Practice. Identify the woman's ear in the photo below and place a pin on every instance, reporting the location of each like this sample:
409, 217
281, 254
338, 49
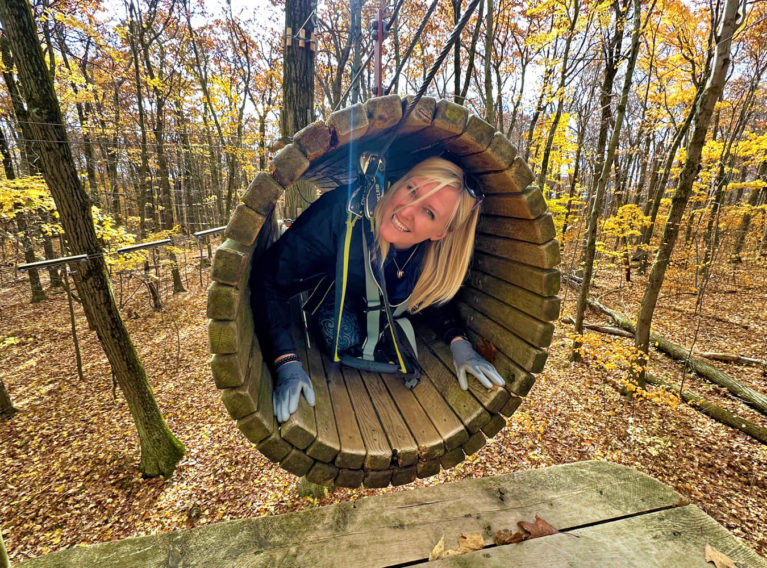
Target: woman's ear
439, 236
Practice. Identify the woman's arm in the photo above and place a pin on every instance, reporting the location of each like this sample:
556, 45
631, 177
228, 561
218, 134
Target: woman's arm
293, 264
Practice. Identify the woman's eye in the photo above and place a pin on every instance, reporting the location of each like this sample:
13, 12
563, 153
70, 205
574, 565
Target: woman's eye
430, 213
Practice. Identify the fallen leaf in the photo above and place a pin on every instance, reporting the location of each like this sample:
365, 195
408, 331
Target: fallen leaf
438, 551
719, 559
508, 536
466, 543
538, 528
486, 349
470, 543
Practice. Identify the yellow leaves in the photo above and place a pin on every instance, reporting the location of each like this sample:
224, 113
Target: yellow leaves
24, 195
9, 341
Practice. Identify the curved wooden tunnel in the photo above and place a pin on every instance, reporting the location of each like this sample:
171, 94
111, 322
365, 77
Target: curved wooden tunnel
366, 427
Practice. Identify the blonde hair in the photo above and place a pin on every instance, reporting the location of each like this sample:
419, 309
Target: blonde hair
445, 261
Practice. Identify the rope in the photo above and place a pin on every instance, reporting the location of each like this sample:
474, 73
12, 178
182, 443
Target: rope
410, 47
455, 36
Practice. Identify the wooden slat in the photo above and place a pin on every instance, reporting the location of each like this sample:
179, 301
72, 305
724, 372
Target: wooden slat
544, 308
352, 451
511, 406
297, 462
403, 475
537, 231
525, 355
375, 479
541, 256
301, 428
515, 179
495, 425
427, 469
441, 415
532, 330
420, 117
517, 379
453, 457
383, 113
349, 478
326, 445
497, 157
462, 402
529, 204
544, 282
474, 139
397, 432
322, 473
429, 442
259, 424
378, 452
475, 443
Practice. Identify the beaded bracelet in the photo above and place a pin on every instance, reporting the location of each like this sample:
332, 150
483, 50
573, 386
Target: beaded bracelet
285, 360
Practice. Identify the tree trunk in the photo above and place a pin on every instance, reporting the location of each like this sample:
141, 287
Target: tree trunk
6, 405
591, 233
36, 287
489, 106
660, 189
745, 222
160, 450
298, 87
711, 93
542, 181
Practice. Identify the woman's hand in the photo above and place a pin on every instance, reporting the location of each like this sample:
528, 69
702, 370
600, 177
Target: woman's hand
291, 381
466, 359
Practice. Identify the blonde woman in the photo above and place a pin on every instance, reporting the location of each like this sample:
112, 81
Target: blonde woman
367, 263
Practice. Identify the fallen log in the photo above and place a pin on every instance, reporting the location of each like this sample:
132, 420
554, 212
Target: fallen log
601, 328
732, 358
714, 411
748, 395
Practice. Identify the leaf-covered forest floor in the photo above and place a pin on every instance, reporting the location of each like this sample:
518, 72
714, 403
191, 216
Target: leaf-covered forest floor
68, 459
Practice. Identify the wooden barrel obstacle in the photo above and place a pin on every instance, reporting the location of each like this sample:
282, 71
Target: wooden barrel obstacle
368, 427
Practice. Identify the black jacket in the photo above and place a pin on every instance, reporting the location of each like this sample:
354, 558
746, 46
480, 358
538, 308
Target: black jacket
304, 259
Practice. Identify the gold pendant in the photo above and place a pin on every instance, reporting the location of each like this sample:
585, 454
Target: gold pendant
400, 273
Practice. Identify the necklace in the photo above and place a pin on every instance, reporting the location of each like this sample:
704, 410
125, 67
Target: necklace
401, 269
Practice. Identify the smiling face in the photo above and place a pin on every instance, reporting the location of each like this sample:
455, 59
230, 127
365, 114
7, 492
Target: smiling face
412, 216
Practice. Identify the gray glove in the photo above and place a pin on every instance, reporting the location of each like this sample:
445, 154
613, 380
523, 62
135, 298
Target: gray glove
291, 380
466, 359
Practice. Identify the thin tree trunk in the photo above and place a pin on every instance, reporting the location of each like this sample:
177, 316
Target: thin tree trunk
591, 236
542, 181
745, 222
711, 93
489, 106
160, 450
648, 230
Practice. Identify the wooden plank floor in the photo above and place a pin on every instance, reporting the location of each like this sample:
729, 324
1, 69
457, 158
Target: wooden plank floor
368, 428
608, 515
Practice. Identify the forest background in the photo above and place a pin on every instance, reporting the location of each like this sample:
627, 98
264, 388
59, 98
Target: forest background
172, 106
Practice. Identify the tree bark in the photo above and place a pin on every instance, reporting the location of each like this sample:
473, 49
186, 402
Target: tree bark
711, 94
298, 87
160, 450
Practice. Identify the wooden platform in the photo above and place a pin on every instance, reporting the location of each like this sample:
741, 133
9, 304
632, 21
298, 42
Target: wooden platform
607, 515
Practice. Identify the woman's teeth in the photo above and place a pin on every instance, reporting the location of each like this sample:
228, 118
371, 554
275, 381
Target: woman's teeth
399, 225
